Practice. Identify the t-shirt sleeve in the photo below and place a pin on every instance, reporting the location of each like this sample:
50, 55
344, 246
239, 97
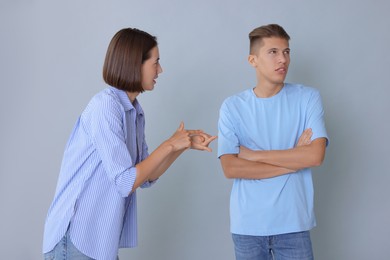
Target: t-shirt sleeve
315, 117
228, 142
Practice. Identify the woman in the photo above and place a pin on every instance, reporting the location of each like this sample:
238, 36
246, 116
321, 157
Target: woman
106, 158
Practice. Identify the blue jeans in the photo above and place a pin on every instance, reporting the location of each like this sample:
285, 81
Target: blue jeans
65, 250
292, 246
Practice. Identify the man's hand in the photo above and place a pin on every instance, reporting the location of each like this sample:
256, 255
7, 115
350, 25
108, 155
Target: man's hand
305, 137
250, 155
247, 154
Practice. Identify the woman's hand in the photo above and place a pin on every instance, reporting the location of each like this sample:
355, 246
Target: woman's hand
181, 139
195, 139
200, 141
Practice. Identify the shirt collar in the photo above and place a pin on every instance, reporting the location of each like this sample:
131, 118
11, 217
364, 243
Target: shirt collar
125, 101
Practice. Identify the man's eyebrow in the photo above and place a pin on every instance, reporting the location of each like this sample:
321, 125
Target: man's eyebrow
275, 49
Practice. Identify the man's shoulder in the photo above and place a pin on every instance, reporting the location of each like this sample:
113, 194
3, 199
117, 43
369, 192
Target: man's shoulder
240, 96
300, 89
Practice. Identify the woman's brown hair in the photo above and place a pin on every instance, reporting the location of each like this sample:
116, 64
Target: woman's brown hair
128, 49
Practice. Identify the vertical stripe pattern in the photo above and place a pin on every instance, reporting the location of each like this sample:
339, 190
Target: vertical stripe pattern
96, 178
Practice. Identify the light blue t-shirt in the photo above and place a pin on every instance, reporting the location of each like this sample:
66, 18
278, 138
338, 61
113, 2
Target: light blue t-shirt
281, 204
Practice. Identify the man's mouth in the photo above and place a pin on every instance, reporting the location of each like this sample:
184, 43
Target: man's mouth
281, 69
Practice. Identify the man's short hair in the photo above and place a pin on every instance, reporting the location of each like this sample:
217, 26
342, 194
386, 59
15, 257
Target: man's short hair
266, 31
127, 51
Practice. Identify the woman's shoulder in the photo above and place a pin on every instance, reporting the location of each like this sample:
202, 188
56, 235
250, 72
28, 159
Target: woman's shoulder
104, 101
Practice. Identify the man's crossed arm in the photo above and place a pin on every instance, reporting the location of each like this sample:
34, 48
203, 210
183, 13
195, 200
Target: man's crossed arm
250, 164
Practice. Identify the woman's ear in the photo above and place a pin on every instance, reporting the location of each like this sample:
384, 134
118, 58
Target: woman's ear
252, 59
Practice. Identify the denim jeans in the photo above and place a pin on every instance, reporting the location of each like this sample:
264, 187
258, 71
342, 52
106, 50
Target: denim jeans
292, 246
65, 250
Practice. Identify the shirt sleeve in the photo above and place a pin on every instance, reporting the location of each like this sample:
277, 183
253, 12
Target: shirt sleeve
104, 121
145, 154
315, 117
148, 184
228, 142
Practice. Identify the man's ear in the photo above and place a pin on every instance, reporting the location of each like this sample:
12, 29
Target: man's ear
252, 59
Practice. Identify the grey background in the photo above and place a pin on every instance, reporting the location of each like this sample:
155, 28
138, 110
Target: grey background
51, 56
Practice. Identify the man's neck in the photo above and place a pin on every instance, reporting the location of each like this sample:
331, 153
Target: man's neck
266, 91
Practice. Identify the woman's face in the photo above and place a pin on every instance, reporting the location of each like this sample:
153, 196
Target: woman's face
150, 70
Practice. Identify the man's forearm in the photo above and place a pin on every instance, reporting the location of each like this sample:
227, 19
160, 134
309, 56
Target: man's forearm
296, 158
238, 168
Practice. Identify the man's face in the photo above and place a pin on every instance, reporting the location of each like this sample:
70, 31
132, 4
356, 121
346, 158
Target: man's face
271, 61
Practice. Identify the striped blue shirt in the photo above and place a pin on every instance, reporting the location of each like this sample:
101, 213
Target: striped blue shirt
97, 174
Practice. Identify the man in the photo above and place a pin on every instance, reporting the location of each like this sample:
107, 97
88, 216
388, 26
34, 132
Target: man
269, 137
